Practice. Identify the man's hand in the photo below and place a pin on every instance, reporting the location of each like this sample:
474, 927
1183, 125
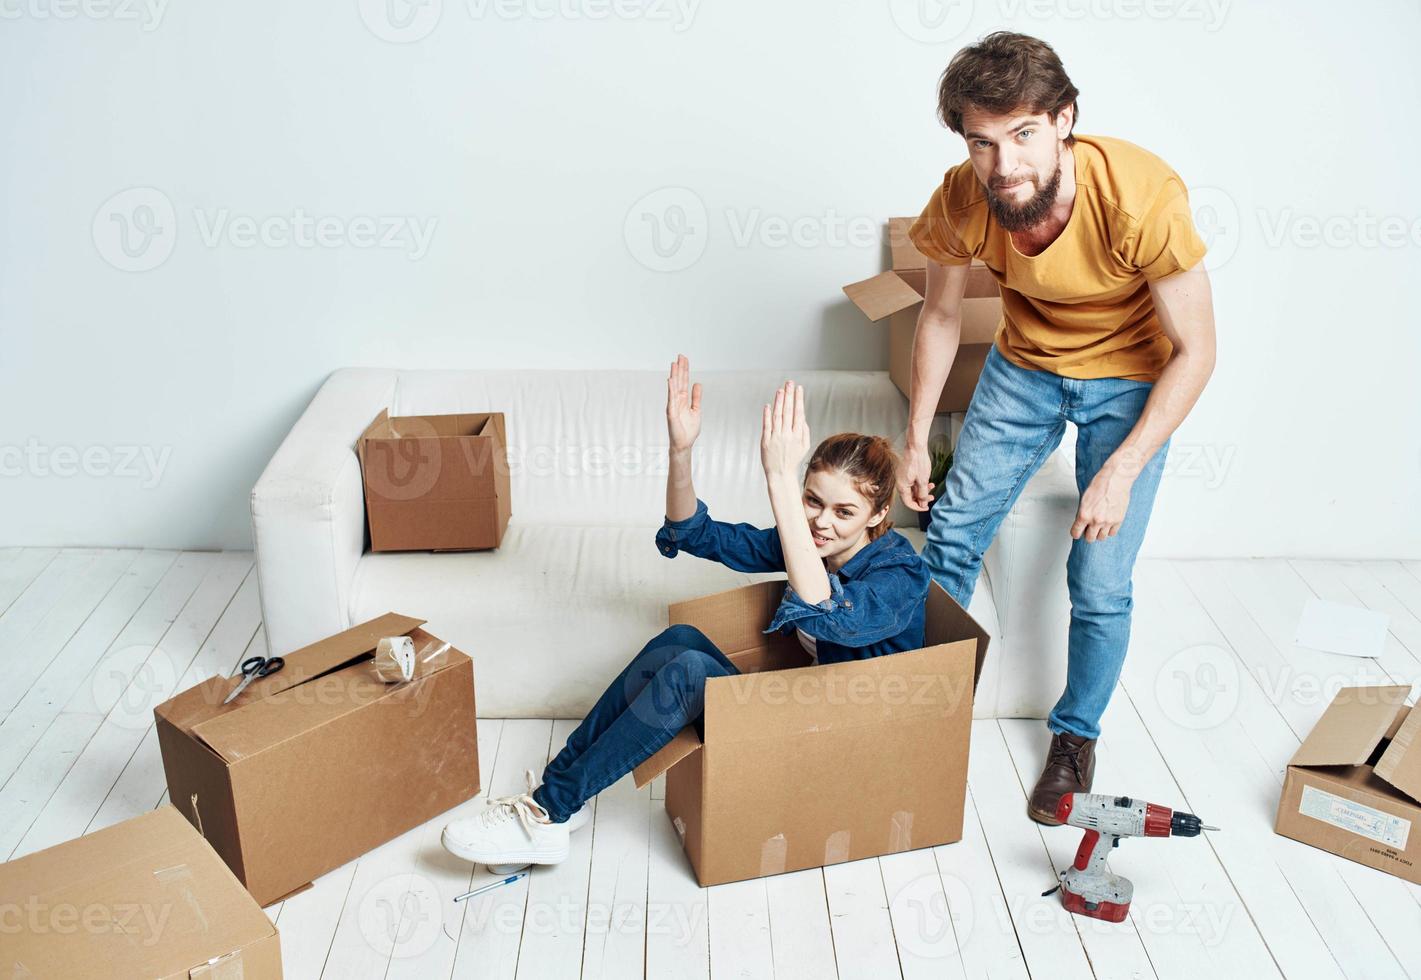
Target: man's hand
1103, 505
913, 485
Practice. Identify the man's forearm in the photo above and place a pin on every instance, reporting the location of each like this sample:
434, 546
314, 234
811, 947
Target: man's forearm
934, 349
680, 493
1173, 396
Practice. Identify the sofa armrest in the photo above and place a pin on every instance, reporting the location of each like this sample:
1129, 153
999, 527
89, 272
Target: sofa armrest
308, 512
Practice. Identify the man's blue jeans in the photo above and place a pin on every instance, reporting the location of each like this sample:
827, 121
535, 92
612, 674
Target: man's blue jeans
1016, 418
660, 692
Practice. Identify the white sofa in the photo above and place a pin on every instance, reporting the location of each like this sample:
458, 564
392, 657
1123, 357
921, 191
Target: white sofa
578, 585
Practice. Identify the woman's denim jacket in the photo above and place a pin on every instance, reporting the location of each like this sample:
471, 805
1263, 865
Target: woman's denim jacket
877, 600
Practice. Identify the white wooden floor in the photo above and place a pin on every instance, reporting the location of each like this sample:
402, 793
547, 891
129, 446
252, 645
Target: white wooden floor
1214, 699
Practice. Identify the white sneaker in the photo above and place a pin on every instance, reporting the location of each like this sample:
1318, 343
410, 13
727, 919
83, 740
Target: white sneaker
511, 830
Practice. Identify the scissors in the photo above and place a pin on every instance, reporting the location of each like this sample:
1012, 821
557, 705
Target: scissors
252, 668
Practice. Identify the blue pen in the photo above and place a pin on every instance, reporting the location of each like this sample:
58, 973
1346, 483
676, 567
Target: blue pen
491, 885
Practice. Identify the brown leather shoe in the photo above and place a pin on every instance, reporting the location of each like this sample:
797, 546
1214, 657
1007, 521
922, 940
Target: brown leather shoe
1070, 767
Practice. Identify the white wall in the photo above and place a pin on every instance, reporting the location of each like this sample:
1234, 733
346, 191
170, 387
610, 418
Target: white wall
529, 133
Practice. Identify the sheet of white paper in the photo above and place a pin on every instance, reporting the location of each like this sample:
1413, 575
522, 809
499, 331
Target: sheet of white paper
1336, 627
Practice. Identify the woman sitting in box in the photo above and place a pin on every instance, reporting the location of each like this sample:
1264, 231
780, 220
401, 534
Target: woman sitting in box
856, 589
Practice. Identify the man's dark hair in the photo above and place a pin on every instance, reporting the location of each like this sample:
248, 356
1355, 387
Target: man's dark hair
1003, 72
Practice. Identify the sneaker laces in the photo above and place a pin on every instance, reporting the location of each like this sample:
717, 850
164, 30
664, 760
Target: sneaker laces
520, 805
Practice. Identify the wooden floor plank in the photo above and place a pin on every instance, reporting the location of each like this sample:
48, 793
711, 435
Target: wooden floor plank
73, 663
740, 930
555, 918
78, 798
491, 926
47, 764
1226, 745
20, 571
924, 930
677, 947
618, 917
1047, 932
981, 917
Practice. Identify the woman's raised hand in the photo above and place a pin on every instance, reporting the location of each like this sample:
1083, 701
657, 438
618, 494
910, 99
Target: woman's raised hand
683, 405
784, 434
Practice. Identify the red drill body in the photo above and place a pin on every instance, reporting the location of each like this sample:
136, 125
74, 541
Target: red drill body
1088, 887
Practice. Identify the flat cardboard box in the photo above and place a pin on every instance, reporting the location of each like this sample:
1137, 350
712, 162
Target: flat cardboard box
797, 765
1353, 786
321, 761
144, 898
436, 482
898, 295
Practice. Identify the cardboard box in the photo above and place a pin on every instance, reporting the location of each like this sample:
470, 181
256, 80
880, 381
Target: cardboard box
1353, 786
796, 765
898, 295
321, 761
144, 898
436, 482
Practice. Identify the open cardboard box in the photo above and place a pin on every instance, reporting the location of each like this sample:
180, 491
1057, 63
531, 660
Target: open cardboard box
798, 765
436, 482
898, 295
1353, 786
321, 761
144, 898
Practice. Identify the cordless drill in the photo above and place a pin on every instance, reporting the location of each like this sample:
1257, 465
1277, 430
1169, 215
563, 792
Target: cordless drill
1088, 887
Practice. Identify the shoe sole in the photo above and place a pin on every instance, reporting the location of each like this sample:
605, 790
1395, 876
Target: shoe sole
1049, 819
504, 857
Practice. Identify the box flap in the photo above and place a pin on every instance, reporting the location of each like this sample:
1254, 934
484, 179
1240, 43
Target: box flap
902, 252
149, 896
682, 744
377, 429
883, 295
1357, 719
187, 709
1400, 764
255, 726
326, 655
734, 619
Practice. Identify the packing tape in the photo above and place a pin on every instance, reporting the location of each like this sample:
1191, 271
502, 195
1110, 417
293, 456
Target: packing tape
197, 815
394, 659
680, 826
18, 971
836, 848
228, 966
773, 854
900, 831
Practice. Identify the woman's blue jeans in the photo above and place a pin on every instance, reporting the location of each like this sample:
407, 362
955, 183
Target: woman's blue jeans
660, 692
1016, 418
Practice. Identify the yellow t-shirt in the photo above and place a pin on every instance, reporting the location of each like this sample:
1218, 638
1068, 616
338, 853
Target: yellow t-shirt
1081, 308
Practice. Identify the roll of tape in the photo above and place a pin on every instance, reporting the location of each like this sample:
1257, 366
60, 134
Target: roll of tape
394, 659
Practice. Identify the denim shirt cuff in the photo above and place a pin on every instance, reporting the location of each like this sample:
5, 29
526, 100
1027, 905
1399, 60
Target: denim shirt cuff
794, 607
672, 532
